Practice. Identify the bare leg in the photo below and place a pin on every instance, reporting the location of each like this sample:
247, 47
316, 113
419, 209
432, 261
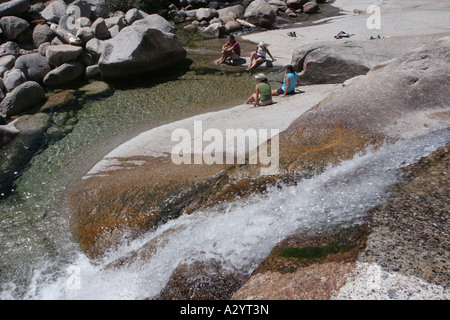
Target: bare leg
252, 57
225, 55
255, 64
251, 99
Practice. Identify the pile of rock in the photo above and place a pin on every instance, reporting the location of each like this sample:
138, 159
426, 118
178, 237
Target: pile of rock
50, 44
46, 45
214, 17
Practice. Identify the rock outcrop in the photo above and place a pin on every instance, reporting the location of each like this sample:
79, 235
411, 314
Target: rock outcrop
331, 62
405, 95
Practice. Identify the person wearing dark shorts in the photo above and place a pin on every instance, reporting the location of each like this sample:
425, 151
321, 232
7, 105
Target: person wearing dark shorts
291, 80
259, 56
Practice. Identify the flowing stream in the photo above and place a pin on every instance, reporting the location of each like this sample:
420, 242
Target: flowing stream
40, 260
34, 220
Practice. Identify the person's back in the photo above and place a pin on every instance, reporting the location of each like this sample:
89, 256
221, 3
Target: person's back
265, 91
293, 76
261, 51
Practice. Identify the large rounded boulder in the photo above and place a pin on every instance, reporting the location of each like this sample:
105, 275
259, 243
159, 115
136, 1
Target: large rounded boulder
260, 13
22, 98
149, 47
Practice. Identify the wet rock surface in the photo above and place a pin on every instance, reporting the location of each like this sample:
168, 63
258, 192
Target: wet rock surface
306, 266
202, 281
102, 219
411, 232
406, 236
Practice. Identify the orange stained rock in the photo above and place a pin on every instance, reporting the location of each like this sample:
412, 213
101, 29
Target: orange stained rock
130, 201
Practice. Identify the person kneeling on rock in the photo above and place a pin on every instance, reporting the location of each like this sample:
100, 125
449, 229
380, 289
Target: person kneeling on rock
263, 94
231, 49
291, 80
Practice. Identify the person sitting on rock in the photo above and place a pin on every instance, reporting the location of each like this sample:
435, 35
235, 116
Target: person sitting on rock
263, 94
291, 80
259, 56
230, 50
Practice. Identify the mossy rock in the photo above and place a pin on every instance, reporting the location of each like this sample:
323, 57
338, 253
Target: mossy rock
59, 100
308, 248
96, 89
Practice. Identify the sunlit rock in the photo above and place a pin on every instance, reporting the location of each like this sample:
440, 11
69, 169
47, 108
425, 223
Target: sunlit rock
150, 47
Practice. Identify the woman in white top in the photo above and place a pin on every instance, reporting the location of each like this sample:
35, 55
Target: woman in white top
259, 56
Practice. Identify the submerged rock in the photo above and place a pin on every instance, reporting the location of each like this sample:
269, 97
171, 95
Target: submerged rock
7, 133
59, 100
96, 89
16, 155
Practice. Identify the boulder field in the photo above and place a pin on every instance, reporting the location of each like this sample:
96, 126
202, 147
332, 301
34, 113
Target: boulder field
48, 46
